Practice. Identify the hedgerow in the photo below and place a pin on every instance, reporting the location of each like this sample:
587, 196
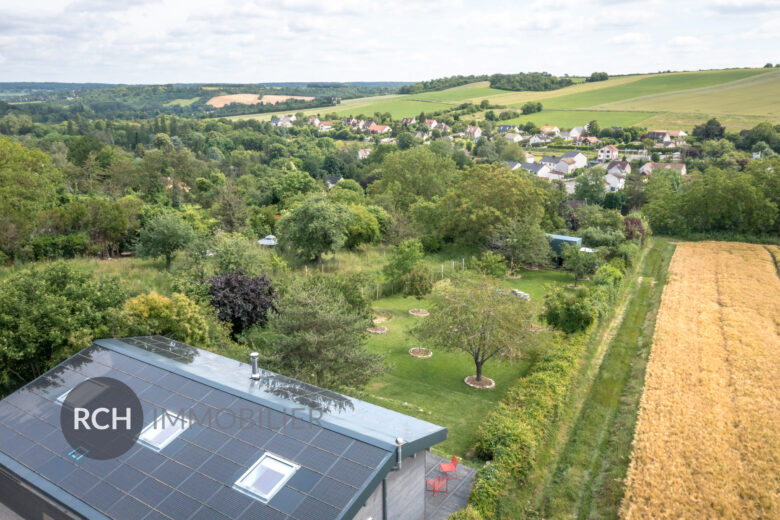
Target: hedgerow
513, 432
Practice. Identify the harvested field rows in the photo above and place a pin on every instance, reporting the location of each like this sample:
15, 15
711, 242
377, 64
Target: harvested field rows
707, 443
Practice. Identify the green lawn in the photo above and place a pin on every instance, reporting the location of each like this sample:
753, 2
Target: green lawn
433, 389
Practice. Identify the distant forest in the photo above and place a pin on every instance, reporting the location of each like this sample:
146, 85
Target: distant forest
58, 102
520, 81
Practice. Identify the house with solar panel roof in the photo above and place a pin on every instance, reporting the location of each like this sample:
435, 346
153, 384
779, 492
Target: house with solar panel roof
296, 452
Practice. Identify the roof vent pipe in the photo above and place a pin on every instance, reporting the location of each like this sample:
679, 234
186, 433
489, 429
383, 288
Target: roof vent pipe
398, 456
255, 370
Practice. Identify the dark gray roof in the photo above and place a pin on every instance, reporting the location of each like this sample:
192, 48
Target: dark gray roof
570, 155
343, 456
550, 159
532, 167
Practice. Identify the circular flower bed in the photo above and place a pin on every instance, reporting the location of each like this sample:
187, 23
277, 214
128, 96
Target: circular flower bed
377, 330
420, 352
420, 313
380, 319
484, 384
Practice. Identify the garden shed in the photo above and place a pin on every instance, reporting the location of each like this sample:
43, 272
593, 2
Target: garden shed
558, 241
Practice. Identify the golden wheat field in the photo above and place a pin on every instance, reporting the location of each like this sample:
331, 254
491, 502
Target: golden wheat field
707, 441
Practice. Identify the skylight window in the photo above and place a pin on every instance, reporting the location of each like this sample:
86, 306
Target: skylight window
266, 477
163, 429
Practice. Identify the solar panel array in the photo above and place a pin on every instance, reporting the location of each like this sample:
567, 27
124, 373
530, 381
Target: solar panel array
193, 476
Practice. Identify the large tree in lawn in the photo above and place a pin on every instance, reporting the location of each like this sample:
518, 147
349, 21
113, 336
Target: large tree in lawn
313, 228
482, 320
163, 235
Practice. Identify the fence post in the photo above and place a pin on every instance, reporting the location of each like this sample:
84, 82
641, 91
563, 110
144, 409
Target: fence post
377, 291
463, 264
442, 271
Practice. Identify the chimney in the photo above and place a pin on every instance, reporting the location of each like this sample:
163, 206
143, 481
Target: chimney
255, 370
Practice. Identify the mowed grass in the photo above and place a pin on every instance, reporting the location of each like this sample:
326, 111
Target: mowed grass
655, 84
182, 102
433, 389
755, 95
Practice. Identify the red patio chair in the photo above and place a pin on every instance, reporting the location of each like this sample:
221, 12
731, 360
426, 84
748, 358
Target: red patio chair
449, 467
437, 485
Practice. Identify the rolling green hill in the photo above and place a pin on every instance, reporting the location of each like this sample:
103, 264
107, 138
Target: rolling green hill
740, 98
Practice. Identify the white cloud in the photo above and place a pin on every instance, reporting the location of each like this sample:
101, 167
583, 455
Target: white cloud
632, 37
162, 41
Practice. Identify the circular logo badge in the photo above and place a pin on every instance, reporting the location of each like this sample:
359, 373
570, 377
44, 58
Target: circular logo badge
101, 418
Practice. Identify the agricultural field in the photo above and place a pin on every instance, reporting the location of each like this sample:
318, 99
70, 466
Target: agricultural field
182, 102
740, 98
706, 443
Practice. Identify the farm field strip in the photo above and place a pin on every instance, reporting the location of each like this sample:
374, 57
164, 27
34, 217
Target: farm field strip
755, 95
706, 443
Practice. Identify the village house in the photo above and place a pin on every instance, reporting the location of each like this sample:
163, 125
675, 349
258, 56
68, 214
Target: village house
504, 129
421, 135
587, 140
667, 137
314, 121
378, 129
431, 124
513, 137
473, 131
283, 122
539, 170
608, 153
325, 126
650, 167
529, 157
615, 180
580, 161
363, 153
408, 121
540, 139
621, 167
550, 161
565, 166
549, 129
443, 128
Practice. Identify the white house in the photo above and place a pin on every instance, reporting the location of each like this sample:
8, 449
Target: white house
650, 167
513, 137
608, 153
473, 131
570, 185
363, 153
325, 126
580, 161
565, 166
539, 139
615, 181
550, 161
539, 170
550, 129
619, 167
529, 157
314, 120
379, 129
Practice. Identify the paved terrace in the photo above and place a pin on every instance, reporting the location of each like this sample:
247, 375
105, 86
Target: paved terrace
443, 505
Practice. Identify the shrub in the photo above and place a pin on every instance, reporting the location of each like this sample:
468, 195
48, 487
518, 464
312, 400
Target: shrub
491, 264
240, 300
569, 312
177, 317
466, 514
628, 252
403, 259
608, 275
595, 237
49, 312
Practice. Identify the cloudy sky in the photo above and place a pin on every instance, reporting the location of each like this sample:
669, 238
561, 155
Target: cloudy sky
250, 41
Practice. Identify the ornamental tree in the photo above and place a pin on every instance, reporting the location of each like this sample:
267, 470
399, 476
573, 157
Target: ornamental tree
241, 300
483, 321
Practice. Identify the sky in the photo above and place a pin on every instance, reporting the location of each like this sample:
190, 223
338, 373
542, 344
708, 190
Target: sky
245, 41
